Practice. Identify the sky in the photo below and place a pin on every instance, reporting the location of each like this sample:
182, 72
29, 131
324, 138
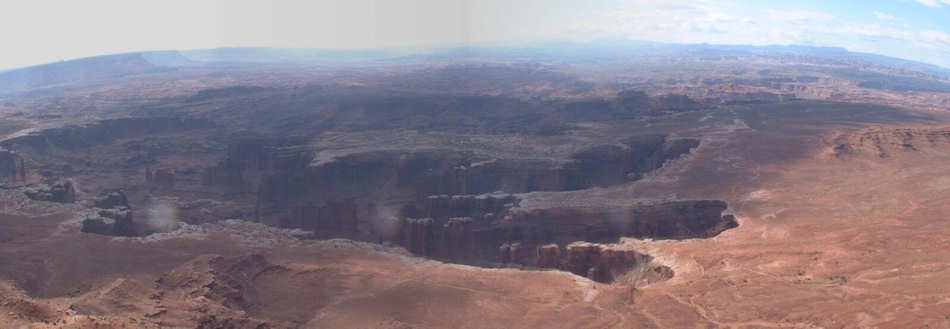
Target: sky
42, 31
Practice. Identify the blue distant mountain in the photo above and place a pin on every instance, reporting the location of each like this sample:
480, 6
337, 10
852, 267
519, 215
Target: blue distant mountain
603, 52
89, 69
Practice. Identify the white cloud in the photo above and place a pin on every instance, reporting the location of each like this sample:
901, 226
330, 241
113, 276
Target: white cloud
935, 39
721, 23
883, 16
716, 23
934, 3
90, 26
798, 15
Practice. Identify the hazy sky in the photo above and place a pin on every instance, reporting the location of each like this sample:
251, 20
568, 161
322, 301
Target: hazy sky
40, 31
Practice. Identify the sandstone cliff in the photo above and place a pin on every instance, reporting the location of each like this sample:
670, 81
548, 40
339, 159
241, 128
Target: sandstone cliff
884, 142
113, 217
12, 167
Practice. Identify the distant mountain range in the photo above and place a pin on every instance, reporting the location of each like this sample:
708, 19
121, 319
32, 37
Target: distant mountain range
130, 64
81, 70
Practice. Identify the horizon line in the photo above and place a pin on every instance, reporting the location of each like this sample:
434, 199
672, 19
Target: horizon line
435, 48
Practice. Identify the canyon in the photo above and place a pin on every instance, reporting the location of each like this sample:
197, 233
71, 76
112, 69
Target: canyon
777, 187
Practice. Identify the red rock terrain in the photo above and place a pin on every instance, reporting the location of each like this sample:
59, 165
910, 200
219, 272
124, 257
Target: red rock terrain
498, 193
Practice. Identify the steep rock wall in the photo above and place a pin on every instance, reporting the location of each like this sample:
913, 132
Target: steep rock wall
98, 133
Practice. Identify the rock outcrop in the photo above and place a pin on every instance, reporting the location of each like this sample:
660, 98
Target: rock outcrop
488, 206
163, 178
59, 191
11, 166
455, 239
248, 161
664, 220
549, 256
884, 142
114, 216
531, 238
512, 253
598, 262
111, 199
338, 218
679, 220
418, 236
452, 239
114, 222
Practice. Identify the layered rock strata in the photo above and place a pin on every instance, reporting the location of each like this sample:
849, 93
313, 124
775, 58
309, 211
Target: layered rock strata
113, 216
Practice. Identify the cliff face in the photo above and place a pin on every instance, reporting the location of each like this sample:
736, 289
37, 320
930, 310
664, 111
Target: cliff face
98, 133
691, 219
244, 164
667, 220
459, 207
286, 181
599, 263
541, 231
884, 142
332, 219
161, 178
113, 217
59, 191
481, 207
12, 167
485, 230
114, 221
